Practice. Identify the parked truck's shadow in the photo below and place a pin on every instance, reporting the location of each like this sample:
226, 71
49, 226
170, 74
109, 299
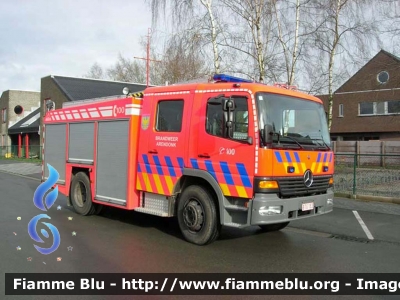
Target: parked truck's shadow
169, 226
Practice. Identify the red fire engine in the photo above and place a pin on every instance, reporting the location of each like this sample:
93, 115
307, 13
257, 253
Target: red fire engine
231, 152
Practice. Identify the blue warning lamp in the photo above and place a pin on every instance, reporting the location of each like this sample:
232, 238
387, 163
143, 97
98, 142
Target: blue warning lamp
228, 78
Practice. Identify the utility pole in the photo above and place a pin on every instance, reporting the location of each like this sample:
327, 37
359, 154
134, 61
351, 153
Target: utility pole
148, 59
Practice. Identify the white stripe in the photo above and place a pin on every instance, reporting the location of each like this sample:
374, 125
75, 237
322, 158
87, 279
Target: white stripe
106, 113
132, 111
363, 226
94, 114
133, 105
92, 109
106, 107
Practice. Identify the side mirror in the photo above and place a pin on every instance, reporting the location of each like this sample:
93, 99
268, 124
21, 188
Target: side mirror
268, 133
229, 105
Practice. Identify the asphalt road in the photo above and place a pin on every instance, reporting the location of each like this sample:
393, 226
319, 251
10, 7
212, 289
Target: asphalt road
120, 241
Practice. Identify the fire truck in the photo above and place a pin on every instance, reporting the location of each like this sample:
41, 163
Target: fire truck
229, 152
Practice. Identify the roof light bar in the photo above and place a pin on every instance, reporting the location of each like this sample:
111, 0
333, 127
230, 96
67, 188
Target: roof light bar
228, 78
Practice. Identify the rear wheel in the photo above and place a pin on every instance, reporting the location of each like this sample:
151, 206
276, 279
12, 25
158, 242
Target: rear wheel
273, 227
197, 216
81, 195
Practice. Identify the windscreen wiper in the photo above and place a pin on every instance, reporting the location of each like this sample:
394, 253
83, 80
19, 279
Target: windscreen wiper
323, 141
289, 137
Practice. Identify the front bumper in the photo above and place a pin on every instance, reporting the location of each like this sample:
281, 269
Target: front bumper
291, 207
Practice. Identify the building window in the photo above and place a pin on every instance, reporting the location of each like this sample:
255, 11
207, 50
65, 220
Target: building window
393, 107
366, 108
340, 110
169, 116
383, 77
378, 108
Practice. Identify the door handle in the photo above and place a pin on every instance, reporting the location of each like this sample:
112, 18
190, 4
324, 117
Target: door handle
204, 155
154, 151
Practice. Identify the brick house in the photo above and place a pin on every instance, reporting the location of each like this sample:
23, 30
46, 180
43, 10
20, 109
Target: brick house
367, 106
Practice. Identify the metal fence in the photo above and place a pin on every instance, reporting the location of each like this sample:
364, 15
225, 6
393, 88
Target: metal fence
33, 152
367, 174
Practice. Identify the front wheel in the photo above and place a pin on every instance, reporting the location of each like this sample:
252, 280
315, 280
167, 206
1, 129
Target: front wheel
273, 227
81, 195
198, 216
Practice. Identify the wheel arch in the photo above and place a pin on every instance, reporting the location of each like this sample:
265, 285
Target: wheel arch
74, 171
202, 178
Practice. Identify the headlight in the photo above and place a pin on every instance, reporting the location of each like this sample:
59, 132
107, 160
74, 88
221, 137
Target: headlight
270, 210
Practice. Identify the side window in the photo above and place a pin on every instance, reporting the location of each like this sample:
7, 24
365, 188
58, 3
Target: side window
241, 119
216, 119
169, 116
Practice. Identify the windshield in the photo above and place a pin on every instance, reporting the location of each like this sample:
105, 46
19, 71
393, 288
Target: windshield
295, 122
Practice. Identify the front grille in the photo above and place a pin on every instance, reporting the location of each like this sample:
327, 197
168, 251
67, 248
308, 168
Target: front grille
294, 186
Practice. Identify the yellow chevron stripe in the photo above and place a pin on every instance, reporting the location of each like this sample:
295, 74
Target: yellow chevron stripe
157, 180
241, 191
147, 182
303, 168
138, 185
285, 165
313, 167
296, 168
225, 190
170, 185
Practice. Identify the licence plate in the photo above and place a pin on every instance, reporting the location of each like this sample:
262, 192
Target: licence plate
307, 206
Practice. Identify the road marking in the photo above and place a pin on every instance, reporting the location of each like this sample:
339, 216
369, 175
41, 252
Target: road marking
363, 226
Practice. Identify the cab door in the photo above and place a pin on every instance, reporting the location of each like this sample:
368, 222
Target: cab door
227, 153
162, 157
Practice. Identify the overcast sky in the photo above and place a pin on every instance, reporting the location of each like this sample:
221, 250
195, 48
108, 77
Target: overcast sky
66, 37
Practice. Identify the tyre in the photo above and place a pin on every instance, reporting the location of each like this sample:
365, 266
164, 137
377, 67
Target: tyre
273, 227
198, 216
81, 195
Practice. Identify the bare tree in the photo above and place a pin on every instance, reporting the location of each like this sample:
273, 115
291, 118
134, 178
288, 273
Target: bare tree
344, 27
182, 11
95, 72
180, 60
289, 42
127, 70
257, 44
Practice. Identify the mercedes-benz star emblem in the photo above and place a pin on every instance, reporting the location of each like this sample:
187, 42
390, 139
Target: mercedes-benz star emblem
308, 178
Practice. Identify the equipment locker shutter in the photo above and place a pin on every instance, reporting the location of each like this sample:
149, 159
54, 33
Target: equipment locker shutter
81, 142
54, 150
112, 161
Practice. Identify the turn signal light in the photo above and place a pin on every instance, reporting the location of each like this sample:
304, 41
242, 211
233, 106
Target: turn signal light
331, 181
268, 184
